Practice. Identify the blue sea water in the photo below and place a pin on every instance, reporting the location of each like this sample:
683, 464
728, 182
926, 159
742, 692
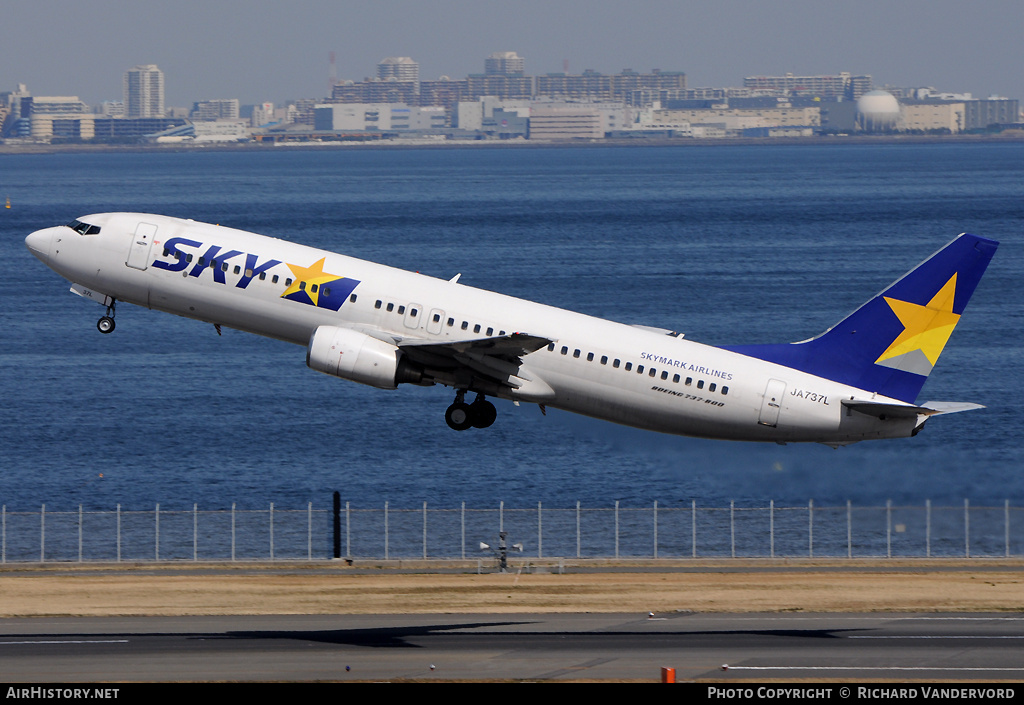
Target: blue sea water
727, 244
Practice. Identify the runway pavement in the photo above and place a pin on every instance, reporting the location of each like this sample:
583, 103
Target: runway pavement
523, 647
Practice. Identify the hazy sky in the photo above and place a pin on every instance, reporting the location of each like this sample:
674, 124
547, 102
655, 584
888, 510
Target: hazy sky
258, 50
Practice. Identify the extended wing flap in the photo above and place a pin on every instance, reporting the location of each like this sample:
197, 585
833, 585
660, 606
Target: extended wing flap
497, 358
510, 348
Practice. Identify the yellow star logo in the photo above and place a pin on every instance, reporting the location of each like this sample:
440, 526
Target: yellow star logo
309, 280
925, 328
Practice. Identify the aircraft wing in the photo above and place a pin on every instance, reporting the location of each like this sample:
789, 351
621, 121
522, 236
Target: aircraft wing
498, 358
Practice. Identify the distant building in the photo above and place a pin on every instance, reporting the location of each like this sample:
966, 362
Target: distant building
390, 91
209, 110
982, 114
382, 117
565, 123
504, 63
144, 92
591, 85
843, 85
931, 116
398, 68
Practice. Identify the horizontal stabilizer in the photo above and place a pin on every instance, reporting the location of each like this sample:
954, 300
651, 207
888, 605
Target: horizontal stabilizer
885, 410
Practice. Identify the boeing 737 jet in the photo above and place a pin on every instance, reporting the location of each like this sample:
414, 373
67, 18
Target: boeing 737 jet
383, 327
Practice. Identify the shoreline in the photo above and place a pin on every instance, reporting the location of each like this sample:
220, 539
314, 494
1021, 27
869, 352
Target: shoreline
78, 148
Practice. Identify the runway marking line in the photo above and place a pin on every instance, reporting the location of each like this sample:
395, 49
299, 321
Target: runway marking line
66, 641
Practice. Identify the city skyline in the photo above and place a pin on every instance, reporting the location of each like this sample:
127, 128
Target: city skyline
254, 52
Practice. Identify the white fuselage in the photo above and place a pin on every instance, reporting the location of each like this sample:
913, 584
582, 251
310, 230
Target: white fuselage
596, 367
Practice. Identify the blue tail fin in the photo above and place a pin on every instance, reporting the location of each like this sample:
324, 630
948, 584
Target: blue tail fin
891, 343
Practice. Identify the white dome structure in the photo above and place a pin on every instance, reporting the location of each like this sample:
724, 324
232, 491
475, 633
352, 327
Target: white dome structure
878, 111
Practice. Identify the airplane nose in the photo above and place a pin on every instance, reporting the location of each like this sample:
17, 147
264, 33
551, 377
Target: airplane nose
38, 243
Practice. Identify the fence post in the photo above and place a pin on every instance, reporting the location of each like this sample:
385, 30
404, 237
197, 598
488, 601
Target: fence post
462, 526
577, 528
888, 528
655, 528
732, 528
156, 523
501, 516
348, 530
967, 528
540, 532
771, 527
79, 533
309, 531
271, 531
1006, 523
810, 528
42, 534
387, 553
336, 523
195, 531
693, 525
616, 528
424, 531
3, 512
118, 532
849, 530
928, 528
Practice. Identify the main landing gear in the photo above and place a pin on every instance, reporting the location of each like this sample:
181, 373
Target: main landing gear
106, 324
460, 415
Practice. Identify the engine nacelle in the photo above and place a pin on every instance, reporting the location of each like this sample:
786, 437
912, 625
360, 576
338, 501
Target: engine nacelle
349, 354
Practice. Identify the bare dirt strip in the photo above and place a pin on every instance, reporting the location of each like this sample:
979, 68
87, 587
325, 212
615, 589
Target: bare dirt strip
978, 585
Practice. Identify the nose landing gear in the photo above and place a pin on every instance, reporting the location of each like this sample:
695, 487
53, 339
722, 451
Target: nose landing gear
106, 324
461, 416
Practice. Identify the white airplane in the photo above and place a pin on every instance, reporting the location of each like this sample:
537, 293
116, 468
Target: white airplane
383, 327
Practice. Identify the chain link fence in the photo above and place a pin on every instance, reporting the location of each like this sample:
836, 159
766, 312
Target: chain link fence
385, 533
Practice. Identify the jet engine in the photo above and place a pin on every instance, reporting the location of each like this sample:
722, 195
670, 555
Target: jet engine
352, 355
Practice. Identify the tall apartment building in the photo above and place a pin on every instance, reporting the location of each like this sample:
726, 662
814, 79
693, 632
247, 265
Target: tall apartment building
144, 92
398, 68
504, 63
843, 85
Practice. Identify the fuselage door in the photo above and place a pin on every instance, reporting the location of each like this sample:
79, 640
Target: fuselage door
413, 314
142, 241
772, 403
435, 322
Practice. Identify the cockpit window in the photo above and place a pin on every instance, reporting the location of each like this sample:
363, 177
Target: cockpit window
84, 228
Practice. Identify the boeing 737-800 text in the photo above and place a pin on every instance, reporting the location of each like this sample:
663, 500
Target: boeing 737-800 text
383, 327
